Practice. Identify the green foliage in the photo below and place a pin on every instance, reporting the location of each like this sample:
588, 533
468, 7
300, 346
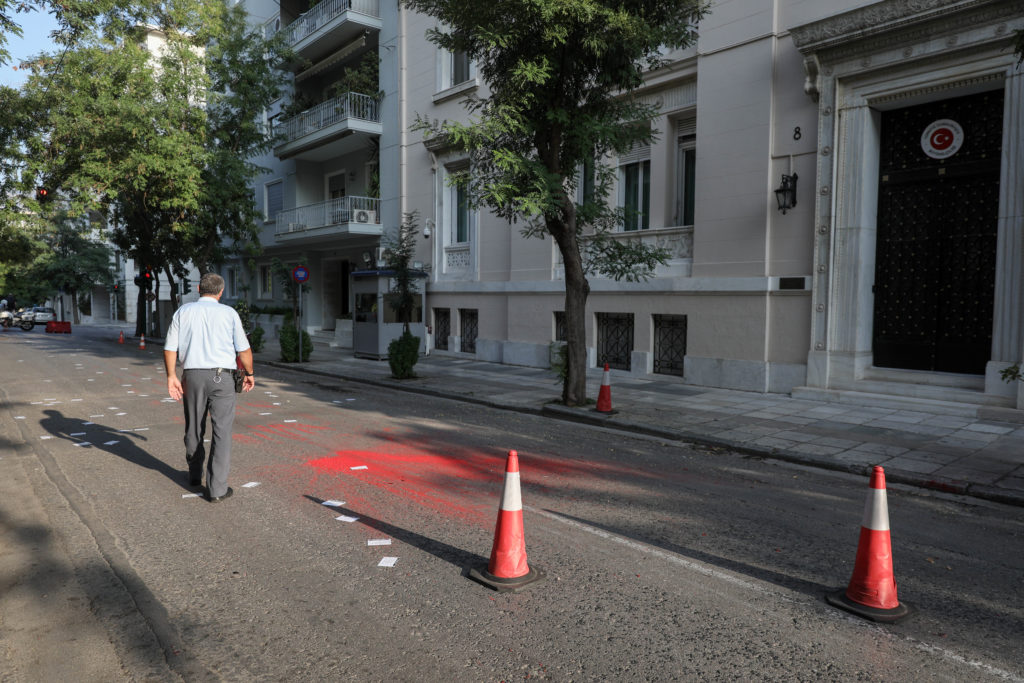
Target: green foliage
559, 362
157, 142
560, 76
1012, 373
252, 330
290, 287
403, 352
289, 338
256, 340
362, 77
398, 254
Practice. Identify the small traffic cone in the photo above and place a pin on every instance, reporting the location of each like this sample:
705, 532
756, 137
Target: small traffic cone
142, 341
604, 397
120, 339
872, 590
508, 570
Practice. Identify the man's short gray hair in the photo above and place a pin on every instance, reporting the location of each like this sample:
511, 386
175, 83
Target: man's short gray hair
210, 283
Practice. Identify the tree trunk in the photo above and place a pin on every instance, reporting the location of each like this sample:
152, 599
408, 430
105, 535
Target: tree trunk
574, 390
140, 317
156, 303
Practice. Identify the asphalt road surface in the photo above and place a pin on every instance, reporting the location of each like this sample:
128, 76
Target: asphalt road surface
663, 562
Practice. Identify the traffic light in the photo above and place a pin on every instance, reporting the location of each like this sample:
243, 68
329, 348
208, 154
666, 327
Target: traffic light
138, 281
147, 279
42, 194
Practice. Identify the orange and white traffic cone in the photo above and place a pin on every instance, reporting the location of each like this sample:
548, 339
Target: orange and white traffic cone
508, 570
120, 339
604, 396
142, 341
872, 590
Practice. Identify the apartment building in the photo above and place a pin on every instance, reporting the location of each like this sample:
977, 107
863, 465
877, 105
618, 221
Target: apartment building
838, 184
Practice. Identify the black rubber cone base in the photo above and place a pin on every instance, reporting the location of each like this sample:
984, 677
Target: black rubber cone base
501, 585
885, 616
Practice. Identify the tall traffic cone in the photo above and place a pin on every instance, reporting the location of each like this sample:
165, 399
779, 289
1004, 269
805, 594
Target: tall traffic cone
604, 396
872, 590
508, 570
120, 339
142, 341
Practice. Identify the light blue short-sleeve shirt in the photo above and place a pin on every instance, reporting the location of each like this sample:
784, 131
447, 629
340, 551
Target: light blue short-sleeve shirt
206, 334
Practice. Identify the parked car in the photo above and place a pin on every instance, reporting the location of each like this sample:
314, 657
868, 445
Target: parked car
43, 314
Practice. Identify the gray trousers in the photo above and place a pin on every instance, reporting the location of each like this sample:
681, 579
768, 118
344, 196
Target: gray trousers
205, 395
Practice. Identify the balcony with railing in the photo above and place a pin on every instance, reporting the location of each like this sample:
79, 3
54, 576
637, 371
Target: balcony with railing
327, 122
330, 24
336, 217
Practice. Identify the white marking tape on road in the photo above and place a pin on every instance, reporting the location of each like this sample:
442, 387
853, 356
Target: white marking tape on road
387, 562
932, 649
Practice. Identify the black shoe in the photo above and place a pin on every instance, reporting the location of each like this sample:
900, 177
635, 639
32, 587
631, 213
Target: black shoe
218, 499
195, 481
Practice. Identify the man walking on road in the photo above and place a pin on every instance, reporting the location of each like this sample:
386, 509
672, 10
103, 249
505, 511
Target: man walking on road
208, 336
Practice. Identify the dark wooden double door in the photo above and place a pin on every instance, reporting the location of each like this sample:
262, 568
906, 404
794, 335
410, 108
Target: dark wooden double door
936, 241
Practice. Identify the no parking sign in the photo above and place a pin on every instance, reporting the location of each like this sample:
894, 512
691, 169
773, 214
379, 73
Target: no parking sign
300, 273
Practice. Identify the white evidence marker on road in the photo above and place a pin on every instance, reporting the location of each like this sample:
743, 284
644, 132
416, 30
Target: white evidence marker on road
266, 413
113, 408
143, 395
83, 443
359, 467
291, 420
77, 434
141, 429
95, 416
190, 495
277, 404
333, 503
250, 485
99, 372
119, 414
346, 518
19, 417
110, 443
76, 399
35, 403
46, 437
126, 385
90, 380
378, 541
387, 562
88, 423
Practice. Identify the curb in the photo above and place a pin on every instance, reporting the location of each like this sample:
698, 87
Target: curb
610, 421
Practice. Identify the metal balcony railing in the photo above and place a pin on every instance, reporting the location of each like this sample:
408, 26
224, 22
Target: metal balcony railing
326, 10
349, 106
332, 212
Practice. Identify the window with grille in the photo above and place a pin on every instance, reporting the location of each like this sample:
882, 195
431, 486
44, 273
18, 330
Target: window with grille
669, 344
442, 328
560, 334
615, 340
468, 322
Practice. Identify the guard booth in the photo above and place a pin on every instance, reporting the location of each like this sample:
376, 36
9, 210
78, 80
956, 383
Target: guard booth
374, 322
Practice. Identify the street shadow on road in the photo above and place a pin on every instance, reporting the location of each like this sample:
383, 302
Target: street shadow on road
108, 440
457, 556
810, 588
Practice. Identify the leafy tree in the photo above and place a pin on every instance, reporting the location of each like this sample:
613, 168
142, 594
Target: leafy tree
404, 351
158, 140
560, 75
73, 262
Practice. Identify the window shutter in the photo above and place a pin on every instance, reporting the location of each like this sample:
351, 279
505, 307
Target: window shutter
638, 152
686, 126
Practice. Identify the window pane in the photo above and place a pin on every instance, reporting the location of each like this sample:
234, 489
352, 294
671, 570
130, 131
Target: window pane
689, 186
460, 68
645, 206
461, 215
631, 181
275, 200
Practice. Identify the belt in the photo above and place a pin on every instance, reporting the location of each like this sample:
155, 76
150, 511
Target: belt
217, 370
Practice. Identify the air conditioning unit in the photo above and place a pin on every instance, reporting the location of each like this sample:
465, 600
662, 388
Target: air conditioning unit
362, 216
296, 227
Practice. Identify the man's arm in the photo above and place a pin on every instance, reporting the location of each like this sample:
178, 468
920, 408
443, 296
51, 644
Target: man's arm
245, 358
174, 389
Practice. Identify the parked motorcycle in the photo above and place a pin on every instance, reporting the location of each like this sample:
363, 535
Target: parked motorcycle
8, 319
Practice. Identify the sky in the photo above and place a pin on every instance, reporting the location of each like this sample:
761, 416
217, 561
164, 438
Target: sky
36, 28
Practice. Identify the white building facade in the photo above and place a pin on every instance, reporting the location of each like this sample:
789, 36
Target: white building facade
897, 273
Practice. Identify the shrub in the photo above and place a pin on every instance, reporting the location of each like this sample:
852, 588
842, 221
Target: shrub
403, 353
256, 340
289, 338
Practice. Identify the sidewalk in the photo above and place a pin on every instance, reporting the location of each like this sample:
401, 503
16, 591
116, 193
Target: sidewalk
948, 448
